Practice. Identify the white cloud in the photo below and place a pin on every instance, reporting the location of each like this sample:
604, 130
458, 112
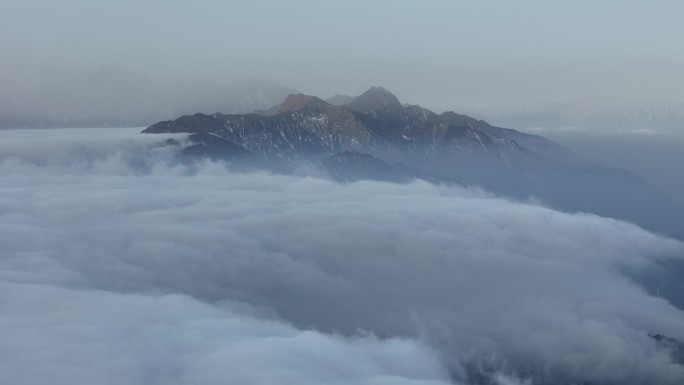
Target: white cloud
104, 261
63, 336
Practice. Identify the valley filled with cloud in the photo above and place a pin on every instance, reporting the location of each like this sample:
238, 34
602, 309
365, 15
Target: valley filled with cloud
122, 265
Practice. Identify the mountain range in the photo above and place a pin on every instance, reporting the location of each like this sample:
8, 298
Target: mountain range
375, 136
43, 96
603, 114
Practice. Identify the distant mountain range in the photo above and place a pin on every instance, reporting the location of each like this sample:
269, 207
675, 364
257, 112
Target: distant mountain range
374, 136
596, 114
41, 96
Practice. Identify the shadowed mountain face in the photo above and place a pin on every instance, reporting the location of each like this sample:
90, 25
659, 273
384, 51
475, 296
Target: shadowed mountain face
376, 137
353, 166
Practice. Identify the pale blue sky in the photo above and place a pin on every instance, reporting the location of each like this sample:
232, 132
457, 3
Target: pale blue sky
435, 52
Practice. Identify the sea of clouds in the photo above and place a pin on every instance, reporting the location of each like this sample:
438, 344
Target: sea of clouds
120, 265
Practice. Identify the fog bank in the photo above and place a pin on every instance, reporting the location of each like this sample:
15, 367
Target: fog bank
123, 266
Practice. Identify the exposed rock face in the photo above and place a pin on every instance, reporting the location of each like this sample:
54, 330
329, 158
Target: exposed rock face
375, 123
377, 101
300, 102
214, 147
416, 142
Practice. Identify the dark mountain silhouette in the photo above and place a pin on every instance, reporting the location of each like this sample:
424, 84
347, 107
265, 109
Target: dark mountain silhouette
377, 101
214, 147
376, 137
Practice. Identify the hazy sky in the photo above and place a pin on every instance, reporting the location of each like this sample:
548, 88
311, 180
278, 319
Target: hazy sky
438, 53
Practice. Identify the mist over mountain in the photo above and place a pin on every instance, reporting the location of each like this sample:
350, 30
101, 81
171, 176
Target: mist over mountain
340, 100
374, 241
270, 192
374, 131
655, 155
642, 136
122, 262
602, 115
42, 96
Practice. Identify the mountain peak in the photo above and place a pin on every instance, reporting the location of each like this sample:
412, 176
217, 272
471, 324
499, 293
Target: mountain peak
340, 100
375, 99
379, 90
297, 102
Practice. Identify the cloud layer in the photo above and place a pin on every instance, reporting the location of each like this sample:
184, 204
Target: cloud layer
120, 266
